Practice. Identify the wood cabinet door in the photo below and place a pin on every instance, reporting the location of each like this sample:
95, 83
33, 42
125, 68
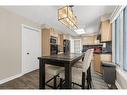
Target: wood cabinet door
106, 34
106, 57
45, 42
97, 63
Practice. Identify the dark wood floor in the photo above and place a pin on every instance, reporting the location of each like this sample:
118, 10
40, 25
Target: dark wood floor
27, 81
31, 81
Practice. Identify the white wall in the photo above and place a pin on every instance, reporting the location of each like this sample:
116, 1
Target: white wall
121, 81
10, 42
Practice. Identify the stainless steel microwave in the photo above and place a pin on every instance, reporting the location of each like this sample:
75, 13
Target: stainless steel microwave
53, 40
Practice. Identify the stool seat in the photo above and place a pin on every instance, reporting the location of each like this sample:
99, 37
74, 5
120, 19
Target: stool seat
78, 64
53, 70
76, 75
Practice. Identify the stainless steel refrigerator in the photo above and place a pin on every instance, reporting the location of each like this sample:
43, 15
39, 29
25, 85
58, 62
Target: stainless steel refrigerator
66, 45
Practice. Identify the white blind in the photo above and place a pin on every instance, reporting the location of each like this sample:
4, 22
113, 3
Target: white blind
125, 39
113, 42
117, 40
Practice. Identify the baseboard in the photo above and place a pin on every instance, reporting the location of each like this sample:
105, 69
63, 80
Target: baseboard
23, 73
10, 78
118, 86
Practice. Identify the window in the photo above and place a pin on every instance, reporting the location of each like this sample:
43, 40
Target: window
125, 39
121, 40
117, 39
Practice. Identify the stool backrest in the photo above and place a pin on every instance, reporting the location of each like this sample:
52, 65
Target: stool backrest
87, 59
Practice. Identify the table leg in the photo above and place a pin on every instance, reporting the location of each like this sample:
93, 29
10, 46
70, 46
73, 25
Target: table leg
41, 74
68, 76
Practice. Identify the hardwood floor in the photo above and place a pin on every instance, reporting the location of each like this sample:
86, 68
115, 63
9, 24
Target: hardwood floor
27, 81
31, 81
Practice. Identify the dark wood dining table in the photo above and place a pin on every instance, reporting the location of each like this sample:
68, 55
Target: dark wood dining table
63, 60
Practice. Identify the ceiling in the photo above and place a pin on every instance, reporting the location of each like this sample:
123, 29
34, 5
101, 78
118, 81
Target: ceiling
88, 16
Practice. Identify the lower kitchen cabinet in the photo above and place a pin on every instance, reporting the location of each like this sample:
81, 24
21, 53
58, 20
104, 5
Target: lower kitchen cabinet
98, 58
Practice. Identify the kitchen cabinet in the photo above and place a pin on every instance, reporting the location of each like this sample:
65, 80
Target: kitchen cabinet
106, 57
106, 33
98, 58
47, 33
61, 42
97, 62
88, 40
66, 36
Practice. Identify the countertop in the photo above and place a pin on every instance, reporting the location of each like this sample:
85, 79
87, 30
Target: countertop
103, 53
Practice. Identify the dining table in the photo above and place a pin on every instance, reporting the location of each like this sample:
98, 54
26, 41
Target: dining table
66, 60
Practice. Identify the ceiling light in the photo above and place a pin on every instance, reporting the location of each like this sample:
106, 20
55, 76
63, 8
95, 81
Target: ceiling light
67, 17
80, 31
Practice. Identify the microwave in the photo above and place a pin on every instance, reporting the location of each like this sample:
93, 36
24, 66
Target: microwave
53, 40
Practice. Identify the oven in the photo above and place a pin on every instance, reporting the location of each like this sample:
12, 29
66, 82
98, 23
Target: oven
53, 40
53, 49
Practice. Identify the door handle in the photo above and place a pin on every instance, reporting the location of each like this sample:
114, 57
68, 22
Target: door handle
28, 53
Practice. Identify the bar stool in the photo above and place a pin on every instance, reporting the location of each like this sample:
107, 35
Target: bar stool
54, 71
79, 75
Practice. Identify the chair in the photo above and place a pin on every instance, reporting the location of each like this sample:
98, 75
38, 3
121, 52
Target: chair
79, 63
79, 75
54, 71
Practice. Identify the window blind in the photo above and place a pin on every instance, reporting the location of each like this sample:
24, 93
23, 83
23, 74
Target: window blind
125, 38
117, 41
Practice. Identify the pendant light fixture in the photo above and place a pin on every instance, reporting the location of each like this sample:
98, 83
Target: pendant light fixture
67, 17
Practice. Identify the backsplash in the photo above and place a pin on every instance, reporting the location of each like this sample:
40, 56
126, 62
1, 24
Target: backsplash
103, 49
86, 47
108, 48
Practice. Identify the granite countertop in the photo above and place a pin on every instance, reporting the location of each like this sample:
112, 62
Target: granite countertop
103, 53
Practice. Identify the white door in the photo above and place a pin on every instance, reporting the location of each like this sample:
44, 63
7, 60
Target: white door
31, 49
77, 46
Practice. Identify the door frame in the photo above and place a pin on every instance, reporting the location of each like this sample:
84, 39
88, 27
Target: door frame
22, 29
80, 44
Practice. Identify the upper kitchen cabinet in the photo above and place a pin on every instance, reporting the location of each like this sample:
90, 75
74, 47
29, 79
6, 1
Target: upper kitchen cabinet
106, 32
66, 36
51, 38
88, 40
